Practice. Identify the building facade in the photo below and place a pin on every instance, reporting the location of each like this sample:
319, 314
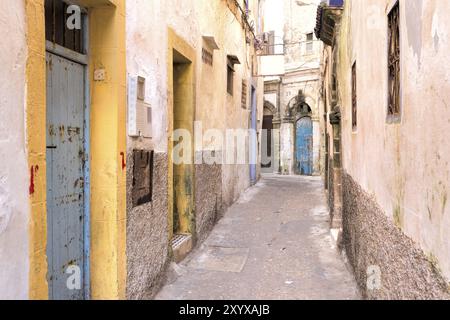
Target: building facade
384, 96
198, 61
98, 96
292, 97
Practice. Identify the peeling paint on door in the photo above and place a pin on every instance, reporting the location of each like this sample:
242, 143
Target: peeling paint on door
65, 174
304, 146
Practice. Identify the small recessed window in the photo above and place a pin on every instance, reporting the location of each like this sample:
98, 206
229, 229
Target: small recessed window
244, 94
230, 82
207, 57
309, 42
231, 61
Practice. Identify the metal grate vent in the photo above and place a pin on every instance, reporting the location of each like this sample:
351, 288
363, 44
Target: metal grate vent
64, 25
178, 239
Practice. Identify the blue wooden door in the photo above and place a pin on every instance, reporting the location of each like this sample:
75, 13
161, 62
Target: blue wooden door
304, 146
65, 178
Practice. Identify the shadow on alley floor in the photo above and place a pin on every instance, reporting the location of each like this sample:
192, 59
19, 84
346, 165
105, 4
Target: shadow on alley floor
274, 243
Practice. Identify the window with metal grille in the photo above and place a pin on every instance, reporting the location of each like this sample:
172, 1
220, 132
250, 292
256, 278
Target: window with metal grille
244, 94
354, 99
207, 57
394, 61
57, 16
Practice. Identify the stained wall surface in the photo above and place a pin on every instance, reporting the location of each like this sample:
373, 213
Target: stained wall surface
403, 166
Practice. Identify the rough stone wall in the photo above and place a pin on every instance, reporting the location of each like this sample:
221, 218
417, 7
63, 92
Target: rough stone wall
370, 239
208, 198
330, 185
147, 239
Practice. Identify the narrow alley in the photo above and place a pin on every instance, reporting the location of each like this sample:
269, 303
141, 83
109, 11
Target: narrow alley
274, 243
158, 150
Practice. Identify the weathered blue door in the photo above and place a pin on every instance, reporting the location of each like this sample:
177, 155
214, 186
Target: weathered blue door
65, 177
304, 146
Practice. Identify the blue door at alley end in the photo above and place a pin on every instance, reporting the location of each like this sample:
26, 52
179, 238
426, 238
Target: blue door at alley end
304, 146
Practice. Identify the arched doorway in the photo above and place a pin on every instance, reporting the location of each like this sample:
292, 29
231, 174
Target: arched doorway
304, 146
268, 139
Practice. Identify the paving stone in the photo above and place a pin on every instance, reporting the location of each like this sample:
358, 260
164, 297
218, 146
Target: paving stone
275, 243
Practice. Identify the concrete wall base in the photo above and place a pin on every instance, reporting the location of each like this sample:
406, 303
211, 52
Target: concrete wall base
208, 198
147, 238
371, 239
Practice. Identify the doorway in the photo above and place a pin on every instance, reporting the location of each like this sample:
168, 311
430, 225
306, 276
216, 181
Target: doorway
66, 156
183, 171
304, 146
267, 144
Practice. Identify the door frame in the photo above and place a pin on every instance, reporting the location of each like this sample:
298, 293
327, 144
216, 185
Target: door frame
270, 142
82, 59
186, 109
108, 263
311, 155
178, 44
253, 136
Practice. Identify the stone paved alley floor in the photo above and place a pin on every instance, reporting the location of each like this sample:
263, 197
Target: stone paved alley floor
274, 243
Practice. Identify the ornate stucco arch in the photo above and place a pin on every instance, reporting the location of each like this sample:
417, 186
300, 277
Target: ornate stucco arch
269, 106
300, 106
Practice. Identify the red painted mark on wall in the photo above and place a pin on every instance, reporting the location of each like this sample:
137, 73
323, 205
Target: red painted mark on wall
124, 164
33, 173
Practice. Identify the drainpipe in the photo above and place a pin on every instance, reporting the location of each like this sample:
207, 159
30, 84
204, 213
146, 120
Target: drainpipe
336, 214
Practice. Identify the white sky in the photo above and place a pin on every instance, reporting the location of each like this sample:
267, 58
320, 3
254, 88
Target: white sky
274, 16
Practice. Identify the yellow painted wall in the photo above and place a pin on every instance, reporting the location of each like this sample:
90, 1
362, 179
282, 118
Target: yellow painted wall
36, 146
108, 140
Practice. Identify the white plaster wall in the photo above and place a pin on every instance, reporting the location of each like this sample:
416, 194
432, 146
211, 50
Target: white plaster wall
406, 166
287, 148
144, 27
300, 20
14, 202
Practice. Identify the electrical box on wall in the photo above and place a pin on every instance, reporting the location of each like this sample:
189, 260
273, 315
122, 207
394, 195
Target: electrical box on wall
139, 112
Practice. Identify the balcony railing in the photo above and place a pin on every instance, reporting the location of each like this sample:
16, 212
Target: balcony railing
334, 3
